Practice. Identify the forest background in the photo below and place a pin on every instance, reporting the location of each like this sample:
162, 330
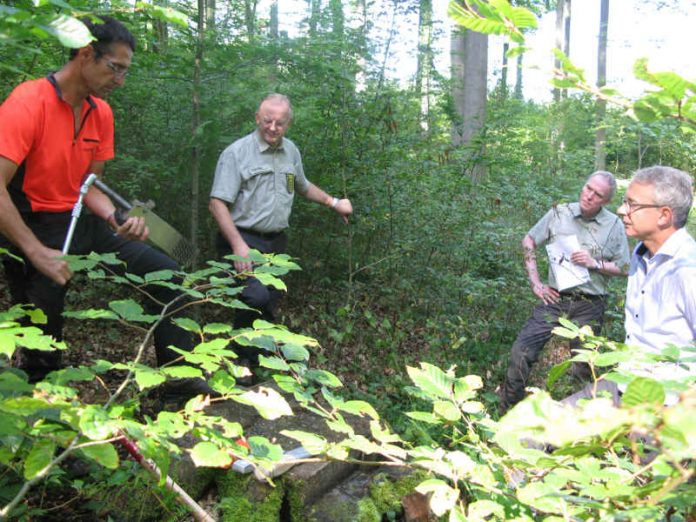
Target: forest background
446, 174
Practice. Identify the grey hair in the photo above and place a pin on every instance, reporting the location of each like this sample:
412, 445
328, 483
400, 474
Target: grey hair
672, 188
609, 178
276, 97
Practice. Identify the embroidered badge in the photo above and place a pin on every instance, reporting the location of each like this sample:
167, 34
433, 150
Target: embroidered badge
290, 179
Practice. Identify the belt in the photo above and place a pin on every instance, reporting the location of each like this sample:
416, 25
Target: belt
265, 235
581, 295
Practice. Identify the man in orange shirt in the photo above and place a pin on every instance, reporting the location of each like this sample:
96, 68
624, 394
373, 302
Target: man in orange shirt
55, 131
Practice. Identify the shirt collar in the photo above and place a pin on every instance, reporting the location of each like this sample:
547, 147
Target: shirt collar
263, 146
599, 217
669, 248
52, 80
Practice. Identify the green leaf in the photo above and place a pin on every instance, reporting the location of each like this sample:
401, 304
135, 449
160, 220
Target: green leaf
443, 496
69, 31
166, 14
313, 443
643, 390
324, 377
557, 372
187, 324
359, 408
268, 402
447, 411
181, 371
95, 423
208, 454
295, 352
147, 377
262, 448
273, 363
129, 310
104, 454
40, 455
424, 417
90, 314
217, 328
431, 380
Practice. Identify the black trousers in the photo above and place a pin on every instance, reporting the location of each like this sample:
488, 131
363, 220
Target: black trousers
582, 310
263, 299
28, 285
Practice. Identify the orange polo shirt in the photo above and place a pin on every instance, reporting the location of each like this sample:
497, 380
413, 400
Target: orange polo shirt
37, 132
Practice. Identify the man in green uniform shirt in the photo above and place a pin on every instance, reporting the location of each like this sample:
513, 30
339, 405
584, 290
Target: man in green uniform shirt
255, 183
602, 249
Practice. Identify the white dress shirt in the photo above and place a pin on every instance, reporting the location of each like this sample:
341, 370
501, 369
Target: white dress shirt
661, 304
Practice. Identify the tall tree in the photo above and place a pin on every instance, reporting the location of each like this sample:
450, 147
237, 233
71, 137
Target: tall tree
425, 60
314, 15
562, 38
273, 29
601, 134
469, 53
250, 19
195, 122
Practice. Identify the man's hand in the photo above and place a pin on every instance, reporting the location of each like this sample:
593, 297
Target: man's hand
546, 293
133, 229
47, 261
583, 258
242, 250
344, 208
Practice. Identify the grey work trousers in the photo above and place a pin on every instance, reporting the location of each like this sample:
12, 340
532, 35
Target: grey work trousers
578, 308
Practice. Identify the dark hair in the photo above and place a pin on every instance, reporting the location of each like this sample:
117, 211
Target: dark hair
107, 31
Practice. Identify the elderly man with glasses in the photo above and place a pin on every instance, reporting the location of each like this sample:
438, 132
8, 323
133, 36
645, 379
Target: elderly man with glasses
592, 246
54, 132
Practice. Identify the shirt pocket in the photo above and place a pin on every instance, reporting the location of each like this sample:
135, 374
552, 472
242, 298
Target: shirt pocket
89, 147
255, 177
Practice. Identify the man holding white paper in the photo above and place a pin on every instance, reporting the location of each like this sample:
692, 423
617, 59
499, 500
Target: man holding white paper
586, 244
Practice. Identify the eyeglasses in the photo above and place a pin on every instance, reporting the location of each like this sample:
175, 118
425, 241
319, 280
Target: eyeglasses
119, 70
632, 207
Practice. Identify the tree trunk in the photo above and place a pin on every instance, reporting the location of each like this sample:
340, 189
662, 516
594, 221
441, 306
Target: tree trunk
504, 72
314, 13
469, 52
195, 122
562, 38
250, 19
601, 135
337, 19
210, 14
519, 94
274, 21
425, 61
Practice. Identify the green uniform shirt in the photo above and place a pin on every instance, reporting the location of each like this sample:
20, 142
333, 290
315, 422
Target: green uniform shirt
603, 236
259, 182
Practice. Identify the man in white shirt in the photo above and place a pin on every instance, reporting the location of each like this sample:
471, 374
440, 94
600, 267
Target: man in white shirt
661, 292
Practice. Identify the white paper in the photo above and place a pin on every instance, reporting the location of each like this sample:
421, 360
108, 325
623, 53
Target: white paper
567, 273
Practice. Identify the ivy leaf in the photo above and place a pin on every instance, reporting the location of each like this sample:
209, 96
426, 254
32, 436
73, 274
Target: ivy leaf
40, 455
104, 454
208, 454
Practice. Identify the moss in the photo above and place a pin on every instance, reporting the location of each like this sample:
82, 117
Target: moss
243, 498
368, 512
386, 493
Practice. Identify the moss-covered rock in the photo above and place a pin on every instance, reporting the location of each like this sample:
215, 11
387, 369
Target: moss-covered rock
242, 497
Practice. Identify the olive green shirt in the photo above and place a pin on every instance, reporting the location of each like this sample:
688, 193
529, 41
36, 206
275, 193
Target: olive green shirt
602, 235
259, 182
